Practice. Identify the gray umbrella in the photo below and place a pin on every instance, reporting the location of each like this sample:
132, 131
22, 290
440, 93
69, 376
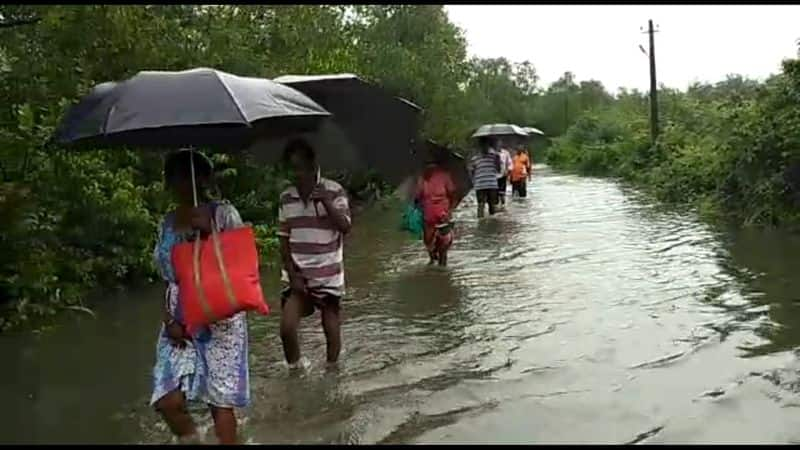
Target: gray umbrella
532, 131
499, 129
198, 107
381, 127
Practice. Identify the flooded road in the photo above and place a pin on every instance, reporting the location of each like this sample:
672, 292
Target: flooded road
584, 314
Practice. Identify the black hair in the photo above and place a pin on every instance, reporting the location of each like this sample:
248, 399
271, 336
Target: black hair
301, 147
486, 141
437, 156
178, 164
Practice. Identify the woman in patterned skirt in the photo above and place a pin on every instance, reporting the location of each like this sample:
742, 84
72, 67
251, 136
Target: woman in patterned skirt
210, 366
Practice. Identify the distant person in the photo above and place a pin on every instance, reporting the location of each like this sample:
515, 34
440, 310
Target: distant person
211, 365
519, 174
483, 168
436, 193
530, 161
506, 164
313, 218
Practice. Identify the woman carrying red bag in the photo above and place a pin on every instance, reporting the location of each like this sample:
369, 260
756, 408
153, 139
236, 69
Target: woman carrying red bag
209, 366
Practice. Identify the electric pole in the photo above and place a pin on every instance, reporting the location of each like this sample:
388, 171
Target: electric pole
653, 84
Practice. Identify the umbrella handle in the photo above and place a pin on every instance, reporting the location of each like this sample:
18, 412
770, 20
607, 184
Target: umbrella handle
194, 193
194, 182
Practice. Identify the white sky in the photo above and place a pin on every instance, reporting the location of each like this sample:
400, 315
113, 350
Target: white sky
695, 42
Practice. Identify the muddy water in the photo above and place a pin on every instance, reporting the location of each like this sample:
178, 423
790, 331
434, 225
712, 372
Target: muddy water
582, 314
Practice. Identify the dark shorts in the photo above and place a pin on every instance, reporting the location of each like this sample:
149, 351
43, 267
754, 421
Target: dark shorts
502, 184
488, 196
312, 302
520, 188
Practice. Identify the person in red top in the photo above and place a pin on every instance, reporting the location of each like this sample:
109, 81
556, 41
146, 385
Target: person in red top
436, 194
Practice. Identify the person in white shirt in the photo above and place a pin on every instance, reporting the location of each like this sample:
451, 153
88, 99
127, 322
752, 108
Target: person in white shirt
506, 165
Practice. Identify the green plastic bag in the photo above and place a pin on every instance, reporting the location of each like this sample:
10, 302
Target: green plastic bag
413, 221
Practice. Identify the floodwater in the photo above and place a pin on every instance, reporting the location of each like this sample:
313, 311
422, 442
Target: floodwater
584, 314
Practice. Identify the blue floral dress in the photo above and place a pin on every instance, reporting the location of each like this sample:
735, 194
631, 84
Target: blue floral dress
213, 367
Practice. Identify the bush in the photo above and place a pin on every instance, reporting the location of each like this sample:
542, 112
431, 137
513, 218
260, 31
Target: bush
733, 147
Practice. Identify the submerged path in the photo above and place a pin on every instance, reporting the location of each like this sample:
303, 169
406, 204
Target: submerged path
582, 314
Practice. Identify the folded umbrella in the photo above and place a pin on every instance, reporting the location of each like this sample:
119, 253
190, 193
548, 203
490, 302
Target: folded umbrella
379, 128
198, 107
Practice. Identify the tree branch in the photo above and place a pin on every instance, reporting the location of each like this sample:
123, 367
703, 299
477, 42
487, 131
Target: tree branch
19, 22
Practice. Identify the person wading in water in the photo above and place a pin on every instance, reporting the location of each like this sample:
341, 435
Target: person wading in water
506, 165
519, 174
313, 218
484, 167
211, 365
436, 194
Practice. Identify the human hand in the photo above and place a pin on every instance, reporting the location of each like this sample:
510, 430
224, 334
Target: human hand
296, 283
177, 334
321, 194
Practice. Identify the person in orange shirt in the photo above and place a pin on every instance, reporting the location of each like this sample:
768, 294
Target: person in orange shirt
520, 172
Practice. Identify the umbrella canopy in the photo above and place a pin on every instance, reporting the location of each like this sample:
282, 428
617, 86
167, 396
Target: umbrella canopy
533, 131
499, 129
335, 151
198, 107
382, 128
451, 160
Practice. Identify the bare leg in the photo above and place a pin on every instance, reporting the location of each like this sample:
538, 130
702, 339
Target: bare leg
290, 320
427, 237
443, 258
224, 425
331, 325
173, 409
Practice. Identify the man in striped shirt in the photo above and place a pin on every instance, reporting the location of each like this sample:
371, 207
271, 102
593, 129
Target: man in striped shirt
313, 218
484, 168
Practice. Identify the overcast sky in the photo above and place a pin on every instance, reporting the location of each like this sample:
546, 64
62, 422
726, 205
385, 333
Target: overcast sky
695, 42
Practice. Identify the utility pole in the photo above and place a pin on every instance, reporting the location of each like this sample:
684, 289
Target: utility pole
653, 85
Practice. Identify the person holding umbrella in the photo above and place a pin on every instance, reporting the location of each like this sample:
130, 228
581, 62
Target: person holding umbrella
208, 108
436, 192
210, 366
484, 167
313, 218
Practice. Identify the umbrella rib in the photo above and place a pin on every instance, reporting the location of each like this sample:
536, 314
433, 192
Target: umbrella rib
233, 99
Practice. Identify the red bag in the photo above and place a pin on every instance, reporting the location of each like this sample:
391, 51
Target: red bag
218, 277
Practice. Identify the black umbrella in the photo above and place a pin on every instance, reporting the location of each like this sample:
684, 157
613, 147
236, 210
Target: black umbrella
198, 107
382, 128
450, 159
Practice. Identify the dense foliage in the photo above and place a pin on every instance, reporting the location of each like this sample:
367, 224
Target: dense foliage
732, 148
75, 221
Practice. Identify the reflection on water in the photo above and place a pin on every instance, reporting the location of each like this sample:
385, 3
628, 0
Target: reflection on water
583, 314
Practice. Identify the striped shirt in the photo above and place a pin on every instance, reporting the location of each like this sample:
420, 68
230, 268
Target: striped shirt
314, 242
484, 170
